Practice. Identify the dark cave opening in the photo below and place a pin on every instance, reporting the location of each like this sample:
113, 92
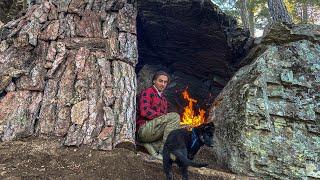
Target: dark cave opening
196, 43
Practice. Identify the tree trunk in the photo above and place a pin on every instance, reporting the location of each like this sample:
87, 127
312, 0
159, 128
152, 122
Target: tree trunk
67, 68
251, 23
278, 11
305, 12
244, 14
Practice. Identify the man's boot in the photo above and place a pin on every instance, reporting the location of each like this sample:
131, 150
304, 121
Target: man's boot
152, 151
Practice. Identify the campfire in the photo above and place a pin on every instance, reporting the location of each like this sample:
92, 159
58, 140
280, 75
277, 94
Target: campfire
189, 117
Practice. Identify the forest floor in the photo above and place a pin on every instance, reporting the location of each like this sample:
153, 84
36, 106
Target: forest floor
44, 158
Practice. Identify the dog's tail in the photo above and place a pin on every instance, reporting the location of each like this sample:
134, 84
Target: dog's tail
187, 161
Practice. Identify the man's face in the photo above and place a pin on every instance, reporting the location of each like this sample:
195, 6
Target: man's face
161, 82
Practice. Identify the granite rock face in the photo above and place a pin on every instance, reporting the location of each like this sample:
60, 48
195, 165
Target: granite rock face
67, 68
267, 117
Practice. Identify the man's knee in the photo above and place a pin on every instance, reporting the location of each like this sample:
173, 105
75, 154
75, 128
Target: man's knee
174, 116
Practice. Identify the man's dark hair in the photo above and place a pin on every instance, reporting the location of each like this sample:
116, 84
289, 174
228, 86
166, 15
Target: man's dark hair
159, 73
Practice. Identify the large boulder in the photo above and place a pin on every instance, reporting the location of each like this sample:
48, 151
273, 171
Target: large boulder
268, 116
67, 68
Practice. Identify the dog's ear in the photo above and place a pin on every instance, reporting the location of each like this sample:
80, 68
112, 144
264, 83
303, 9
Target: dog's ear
209, 126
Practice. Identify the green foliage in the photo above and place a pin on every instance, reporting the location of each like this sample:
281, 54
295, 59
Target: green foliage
228, 6
310, 7
302, 11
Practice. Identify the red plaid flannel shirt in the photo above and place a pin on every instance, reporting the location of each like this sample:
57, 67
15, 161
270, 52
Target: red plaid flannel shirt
151, 105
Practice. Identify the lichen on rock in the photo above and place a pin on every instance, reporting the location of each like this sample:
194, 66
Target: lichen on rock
267, 117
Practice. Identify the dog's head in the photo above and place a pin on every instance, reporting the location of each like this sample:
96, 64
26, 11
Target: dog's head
205, 133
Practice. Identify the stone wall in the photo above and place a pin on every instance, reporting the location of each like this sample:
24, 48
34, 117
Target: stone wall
67, 69
268, 116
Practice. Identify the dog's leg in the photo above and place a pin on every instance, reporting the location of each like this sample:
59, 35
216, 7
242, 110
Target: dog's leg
168, 170
183, 170
167, 166
182, 156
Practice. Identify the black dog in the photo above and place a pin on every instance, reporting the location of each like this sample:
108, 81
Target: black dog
181, 146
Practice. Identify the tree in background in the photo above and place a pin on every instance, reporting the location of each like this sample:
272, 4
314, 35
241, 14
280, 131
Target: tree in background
254, 9
304, 11
244, 13
252, 14
258, 14
278, 11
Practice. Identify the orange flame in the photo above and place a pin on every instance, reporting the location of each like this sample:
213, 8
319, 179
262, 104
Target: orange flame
189, 117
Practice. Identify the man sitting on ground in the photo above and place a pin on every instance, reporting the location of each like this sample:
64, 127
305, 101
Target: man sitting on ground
153, 122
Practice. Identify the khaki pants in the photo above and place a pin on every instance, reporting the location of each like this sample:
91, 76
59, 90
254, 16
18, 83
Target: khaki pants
157, 130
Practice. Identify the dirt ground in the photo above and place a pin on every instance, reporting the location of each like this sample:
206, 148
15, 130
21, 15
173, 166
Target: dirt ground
47, 159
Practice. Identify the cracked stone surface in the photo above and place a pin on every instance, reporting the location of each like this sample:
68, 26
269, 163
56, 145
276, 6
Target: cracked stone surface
267, 117
67, 70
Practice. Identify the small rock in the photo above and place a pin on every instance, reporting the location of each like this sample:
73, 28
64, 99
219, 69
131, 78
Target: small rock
3, 172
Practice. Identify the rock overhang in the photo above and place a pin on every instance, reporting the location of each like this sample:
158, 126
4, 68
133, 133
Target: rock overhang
194, 37
198, 44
